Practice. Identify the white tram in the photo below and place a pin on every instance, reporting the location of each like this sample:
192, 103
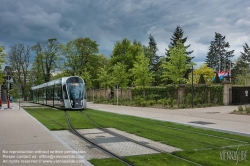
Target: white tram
63, 93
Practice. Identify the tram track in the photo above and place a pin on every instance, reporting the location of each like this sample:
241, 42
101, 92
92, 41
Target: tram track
94, 144
158, 132
211, 146
136, 142
73, 130
96, 125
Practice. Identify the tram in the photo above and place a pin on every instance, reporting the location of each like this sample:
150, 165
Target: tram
64, 93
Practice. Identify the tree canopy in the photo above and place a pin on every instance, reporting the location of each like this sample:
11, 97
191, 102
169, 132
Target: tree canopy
178, 37
175, 67
2, 57
46, 60
204, 70
218, 57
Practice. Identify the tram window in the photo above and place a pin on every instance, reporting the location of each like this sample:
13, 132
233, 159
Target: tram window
75, 90
65, 92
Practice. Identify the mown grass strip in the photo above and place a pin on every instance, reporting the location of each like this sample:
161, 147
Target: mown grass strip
184, 137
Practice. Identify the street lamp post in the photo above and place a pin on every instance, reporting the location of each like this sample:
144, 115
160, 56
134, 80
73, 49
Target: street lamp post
192, 86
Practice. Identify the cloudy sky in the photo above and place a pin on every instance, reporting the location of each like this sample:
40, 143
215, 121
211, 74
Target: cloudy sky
108, 21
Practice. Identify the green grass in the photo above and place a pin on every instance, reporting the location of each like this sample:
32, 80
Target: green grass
148, 160
200, 145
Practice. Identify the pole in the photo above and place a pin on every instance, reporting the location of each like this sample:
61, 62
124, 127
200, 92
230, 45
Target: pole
0, 96
8, 92
93, 95
117, 95
230, 70
192, 86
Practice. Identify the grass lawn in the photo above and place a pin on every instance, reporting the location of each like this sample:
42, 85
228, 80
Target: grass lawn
200, 145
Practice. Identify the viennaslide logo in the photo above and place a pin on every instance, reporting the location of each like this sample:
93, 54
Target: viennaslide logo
234, 155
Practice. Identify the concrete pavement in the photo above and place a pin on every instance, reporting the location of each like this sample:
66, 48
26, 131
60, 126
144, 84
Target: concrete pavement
25, 142
216, 118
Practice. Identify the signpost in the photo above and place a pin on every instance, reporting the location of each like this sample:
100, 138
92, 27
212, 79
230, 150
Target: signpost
0, 95
117, 87
19, 92
8, 91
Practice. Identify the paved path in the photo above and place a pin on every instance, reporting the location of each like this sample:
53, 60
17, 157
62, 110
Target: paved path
218, 118
24, 141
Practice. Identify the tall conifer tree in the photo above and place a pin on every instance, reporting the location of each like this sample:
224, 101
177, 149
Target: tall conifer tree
178, 36
154, 60
218, 57
246, 54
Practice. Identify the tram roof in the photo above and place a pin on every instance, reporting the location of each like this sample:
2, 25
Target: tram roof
53, 82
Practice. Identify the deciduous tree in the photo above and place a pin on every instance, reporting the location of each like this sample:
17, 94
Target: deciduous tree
47, 58
141, 73
207, 72
2, 57
125, 53
81, 56
18, 58
178, 37
175, 67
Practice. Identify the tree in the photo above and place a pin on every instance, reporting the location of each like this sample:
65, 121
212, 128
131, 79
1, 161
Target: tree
81, 56
120, 75
86, 76
246, 54
2, 57
201, 80
47, 56
125, 53
178, 36
154, 60
207, 72
240, 72
216, 79
60, 75
104, 78
141, 72
175, 67
218, 56
19, 60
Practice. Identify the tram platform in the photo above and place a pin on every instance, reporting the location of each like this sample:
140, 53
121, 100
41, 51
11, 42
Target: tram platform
26, 142
215, 118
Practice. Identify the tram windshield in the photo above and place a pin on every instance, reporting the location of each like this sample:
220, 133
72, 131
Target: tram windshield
75, 90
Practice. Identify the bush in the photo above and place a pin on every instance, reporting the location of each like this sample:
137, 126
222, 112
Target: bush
151, 102
240, 108
171, 102
162, 102
247, 109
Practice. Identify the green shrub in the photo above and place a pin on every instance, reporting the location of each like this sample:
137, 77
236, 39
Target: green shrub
162, 102
151, 102
240, 108
171, 102
247, 109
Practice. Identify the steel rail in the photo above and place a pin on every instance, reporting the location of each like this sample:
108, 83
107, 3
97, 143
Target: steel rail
98, 146
139, 143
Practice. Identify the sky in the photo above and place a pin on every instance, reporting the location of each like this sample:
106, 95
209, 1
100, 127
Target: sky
109, 21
